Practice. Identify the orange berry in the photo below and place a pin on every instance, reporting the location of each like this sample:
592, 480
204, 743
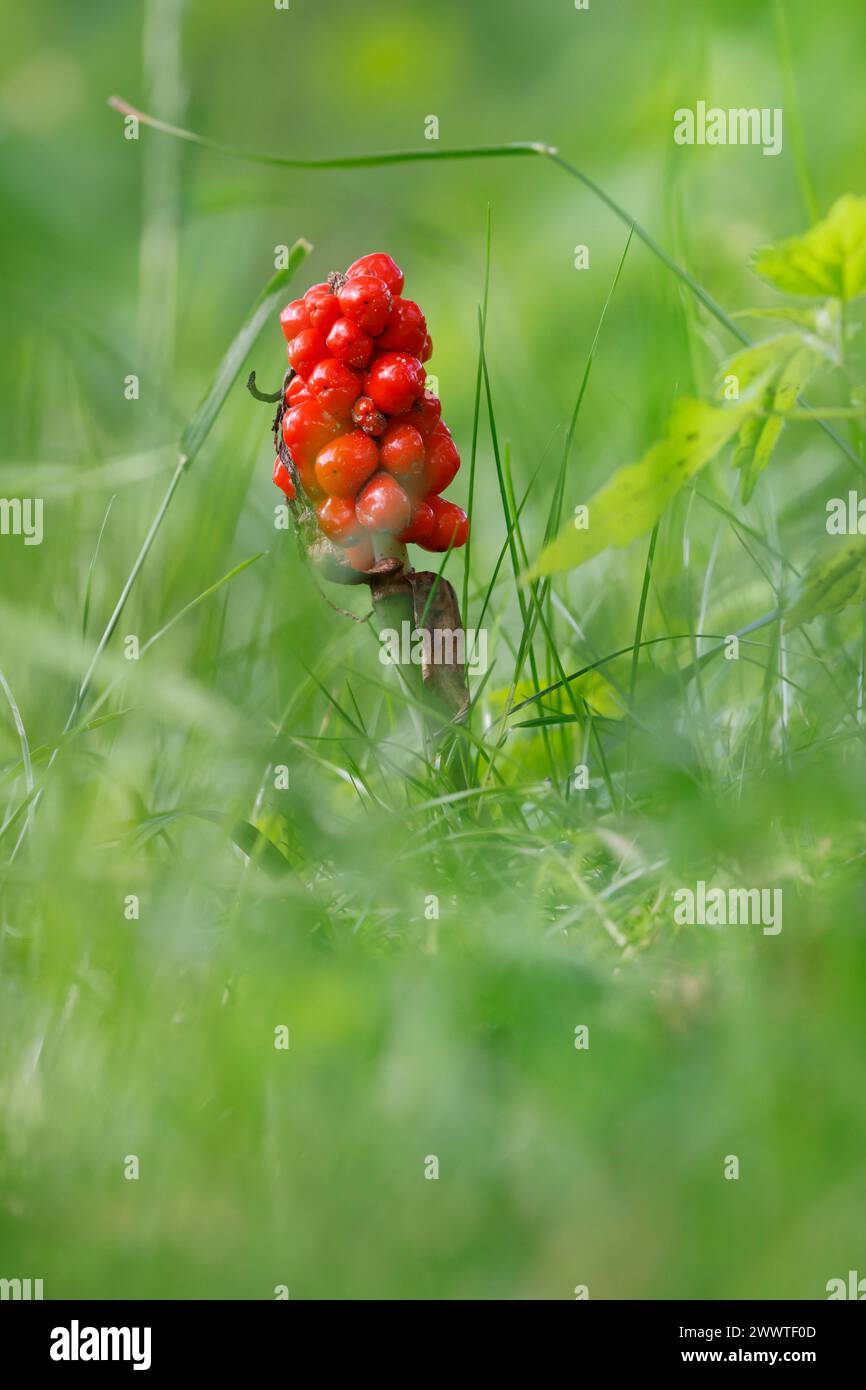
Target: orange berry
344, 465
336, 517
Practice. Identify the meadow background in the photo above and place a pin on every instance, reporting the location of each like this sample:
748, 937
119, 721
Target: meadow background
306, 907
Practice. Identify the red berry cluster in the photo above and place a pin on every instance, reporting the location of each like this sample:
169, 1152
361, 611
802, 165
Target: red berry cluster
367, 441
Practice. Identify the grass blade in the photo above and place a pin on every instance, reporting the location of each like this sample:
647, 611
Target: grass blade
360, 161
507, 150
200, 426
24, 744
476, 416
193, 438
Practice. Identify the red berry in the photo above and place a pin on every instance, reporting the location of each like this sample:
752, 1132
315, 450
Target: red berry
394, 382
336, 516
344, 465
306, 349
361, 556
406, 329
305, 469
294, 319
296, 391
450, 525
322, 307
366, 300
421, 526
443, 460
368, 417
307, 428
425, 414
349, 343
426, 349
283, 478
383, 505
335, 385
401, 452
378, 263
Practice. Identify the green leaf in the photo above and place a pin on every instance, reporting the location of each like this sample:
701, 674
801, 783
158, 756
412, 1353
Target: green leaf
828, 260
835, 579
632, 501
260, 847
765, 358
759, 434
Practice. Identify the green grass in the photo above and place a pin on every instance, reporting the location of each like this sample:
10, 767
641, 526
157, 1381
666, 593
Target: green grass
310, 907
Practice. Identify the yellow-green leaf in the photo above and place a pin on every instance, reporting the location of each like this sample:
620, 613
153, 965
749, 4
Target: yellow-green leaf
836, 579
632, 501
759, 434
829, 260
764, 359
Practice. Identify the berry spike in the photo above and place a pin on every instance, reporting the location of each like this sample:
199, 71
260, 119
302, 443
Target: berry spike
356, 406
363, 454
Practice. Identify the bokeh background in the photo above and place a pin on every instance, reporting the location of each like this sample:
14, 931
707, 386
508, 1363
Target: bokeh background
408, 1037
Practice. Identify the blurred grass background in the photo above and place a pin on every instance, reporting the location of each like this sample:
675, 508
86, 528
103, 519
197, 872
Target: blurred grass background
410, 1038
